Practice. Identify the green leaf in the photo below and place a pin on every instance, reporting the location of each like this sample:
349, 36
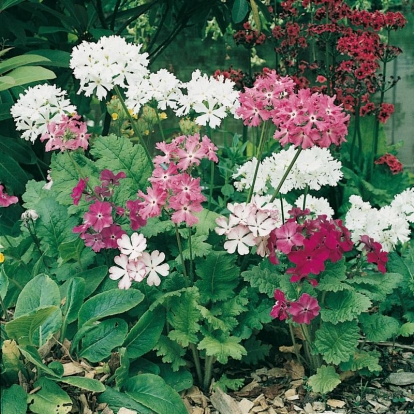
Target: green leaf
325, 380
219, 276
25, 75
98, 343
88, 384
152, 392
73, 294
179, 380
71, 250
5, 4
93, 278
361, 360
12, 174
145, 333
171, 352
50, 398
403, 265
36, 328
225, 383
121, 155
40, 292
11, 362
379, 328
222, 347
111, 302
14, 400
184, 317
4, 283
58, 58
156, 226
406, 329
32, 355
206, 222
122, 372
239, 10
256, 351
332, 276
18, 150
344, 306
199, 248
18, 61
116, 400
337, 342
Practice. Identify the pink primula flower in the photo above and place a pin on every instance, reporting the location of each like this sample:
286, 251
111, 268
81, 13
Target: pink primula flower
5, 199
304, 309
99, 215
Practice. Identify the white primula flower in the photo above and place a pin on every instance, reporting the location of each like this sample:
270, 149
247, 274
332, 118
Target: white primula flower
132, 247
121, 272
245, 175
108, 63
37, 107
239, 238
29, 215
154, 268
316, 205
403, 204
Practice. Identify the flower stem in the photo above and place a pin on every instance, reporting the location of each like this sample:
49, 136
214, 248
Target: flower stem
132, 121
208, 369
298, 151
180, 249
197, 363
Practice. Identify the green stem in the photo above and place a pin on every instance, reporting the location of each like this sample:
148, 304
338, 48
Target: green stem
190, 245
159, 124
197, 363
305, 193
180, 249
208, 369
3, 306
295, 345
210, 195
133, 125
298, 151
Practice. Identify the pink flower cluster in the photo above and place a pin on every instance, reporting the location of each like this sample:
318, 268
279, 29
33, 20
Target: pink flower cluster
309, 243
6, 199
302, 310
173, 188
69, 133
248, 225
392, 162
99, 229
134, 264
303, 119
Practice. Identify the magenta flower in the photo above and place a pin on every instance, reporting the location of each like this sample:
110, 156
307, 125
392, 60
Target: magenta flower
304, 309
78, 190
108, 178
280, 309
94, 241
111, 234
289, 236
5, 199
99, 215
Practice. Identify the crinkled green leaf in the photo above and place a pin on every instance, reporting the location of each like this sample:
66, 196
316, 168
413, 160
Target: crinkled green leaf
219, 276
152, 391
406, 329
225, 383
119, 154
111, 302
325, 380
402, 264
362, 359
40, 292
206, 222
379, 328
71, 250
184, 317
337, 342
332, 277
49, 398
222, 346
256, 351
156, 226
199, 248
144, 335
98, 343
344, 306
171, 352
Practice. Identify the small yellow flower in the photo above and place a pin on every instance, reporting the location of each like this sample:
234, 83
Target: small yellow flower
1, 257
146, 132
114, 116
163, 115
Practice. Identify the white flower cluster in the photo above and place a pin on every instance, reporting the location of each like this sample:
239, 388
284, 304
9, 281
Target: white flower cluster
109, 62
388, 225
210, 97
318, 206
37, 108
315, 167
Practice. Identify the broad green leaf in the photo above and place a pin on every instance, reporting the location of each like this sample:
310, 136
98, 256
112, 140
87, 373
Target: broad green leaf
361, 360
219, 276
145, 333
32, 355
25, 75
71, 250
14, 400
344, 306
379, 328
239, 10
4, 283
12, 174
73, 294
22, 60
337, 342
122, 372
121, 155
332, 276
54, 226
179, 380
5, 4
156, 226
88, 384
11, 362
256, 351
171, 352
57, 58
406, 329
116, 400
17, 149
325, 380
184, 317
152, 392
206, 222
40, 292
403, 265
50, 398
36, 328
111, 302
93, 278
98, 343
222, 346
